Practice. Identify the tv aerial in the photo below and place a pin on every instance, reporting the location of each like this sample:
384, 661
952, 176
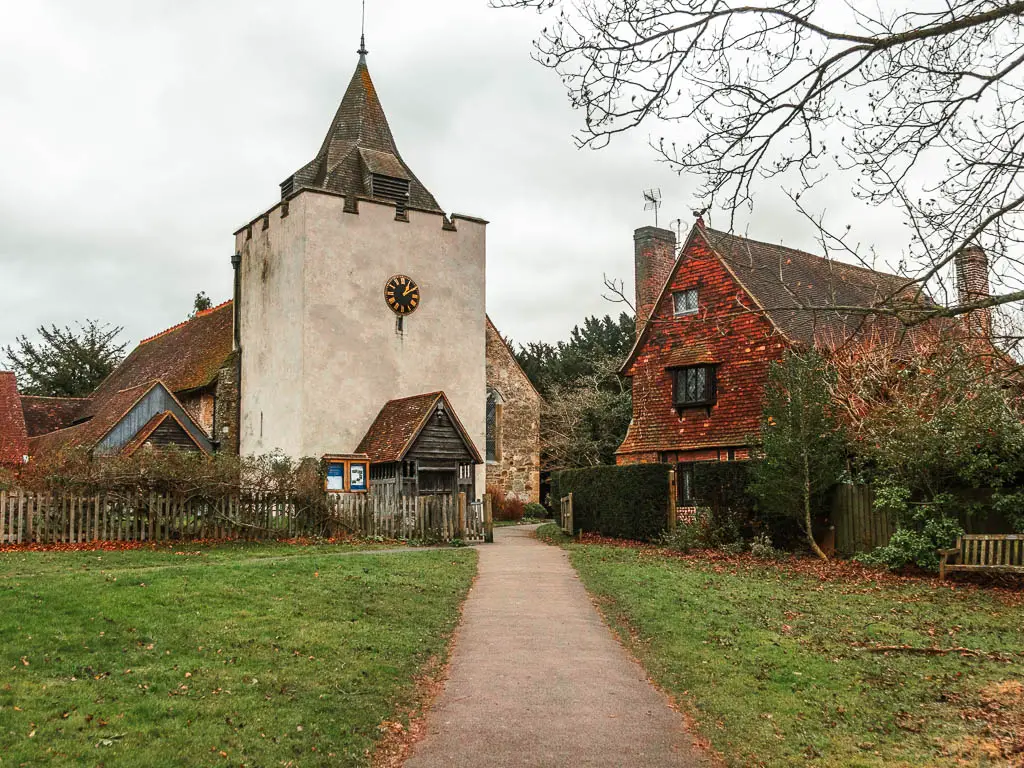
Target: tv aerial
652, 202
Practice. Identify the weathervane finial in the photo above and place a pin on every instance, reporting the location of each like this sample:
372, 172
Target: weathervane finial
362, 35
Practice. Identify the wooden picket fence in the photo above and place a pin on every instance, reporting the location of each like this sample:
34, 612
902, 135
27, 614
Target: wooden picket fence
424, 518
39, 518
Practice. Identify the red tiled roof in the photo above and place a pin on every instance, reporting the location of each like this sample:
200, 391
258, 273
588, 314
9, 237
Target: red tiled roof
13, 435
396, 426
186, 356
783, 279
46, 414
400, 422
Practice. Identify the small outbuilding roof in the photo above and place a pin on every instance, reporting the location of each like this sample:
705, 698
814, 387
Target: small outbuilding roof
400, 422
47, 414
108, 414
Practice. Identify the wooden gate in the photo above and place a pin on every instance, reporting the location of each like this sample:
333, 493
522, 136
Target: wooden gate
859, 526
566, 516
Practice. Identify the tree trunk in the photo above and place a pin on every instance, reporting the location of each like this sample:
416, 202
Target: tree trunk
808, 528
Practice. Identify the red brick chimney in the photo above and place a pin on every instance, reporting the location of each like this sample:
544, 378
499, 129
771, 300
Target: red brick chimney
654, 254
972, 286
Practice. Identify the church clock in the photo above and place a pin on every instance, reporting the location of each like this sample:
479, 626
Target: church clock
402, 294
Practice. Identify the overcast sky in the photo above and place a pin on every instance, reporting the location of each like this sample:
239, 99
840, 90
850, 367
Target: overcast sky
135, 137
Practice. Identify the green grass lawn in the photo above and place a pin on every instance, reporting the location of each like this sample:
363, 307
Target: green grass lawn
259, 655
770, 660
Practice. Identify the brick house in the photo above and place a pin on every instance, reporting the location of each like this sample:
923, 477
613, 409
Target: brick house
710, 323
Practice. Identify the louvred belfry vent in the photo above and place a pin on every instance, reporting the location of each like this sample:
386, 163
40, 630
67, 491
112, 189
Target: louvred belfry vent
386, 186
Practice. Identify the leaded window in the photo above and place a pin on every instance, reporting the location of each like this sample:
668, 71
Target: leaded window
694, 385
684, 302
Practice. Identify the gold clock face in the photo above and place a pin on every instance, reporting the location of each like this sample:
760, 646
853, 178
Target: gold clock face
402, 294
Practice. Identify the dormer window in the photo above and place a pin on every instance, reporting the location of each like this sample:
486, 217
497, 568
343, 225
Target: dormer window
684, 302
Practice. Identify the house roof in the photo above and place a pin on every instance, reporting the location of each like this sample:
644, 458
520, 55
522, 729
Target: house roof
46, 414
795, 289
13, 435
358, 143
400, 422
786, 282
184, 357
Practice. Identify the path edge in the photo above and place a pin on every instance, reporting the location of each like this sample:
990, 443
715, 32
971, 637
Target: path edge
396, 744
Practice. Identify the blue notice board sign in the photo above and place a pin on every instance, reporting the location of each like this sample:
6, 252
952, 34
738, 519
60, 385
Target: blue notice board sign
357, 476
336, 476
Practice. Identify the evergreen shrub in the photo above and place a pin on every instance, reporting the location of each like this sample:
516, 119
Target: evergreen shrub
627, 502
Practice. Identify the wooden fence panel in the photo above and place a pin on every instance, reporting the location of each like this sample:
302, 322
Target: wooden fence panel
859, 527
27, 517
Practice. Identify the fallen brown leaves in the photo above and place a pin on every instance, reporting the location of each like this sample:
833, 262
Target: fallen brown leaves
128, 546
1000, 710
397, 740
853, 576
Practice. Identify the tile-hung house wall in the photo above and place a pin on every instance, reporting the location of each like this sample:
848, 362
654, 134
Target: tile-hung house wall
727, 309
699, 369
513, 423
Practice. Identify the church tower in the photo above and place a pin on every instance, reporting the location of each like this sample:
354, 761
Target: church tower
354, 290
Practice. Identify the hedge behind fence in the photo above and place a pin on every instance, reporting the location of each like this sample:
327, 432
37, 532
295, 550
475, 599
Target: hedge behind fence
629, 502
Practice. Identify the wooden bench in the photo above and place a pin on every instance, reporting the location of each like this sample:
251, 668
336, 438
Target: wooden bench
984, 552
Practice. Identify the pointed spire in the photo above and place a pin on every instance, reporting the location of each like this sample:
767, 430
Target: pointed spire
359, 148
362, 38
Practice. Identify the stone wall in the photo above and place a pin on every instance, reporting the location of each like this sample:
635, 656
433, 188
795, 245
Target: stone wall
226, 415
516, 467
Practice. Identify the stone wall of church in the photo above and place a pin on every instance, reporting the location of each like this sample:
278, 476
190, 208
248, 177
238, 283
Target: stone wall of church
321, 350
515, 468
226, 414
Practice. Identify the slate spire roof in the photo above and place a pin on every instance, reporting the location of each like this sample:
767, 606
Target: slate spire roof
359, 156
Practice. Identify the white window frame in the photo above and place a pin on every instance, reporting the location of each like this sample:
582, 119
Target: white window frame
682, 295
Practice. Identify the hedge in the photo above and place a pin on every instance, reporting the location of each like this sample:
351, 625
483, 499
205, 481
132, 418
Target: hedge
628, 502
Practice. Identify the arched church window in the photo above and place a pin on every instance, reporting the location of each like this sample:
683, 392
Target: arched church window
494, 408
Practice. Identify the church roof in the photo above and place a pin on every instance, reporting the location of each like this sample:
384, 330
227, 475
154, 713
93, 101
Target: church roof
359, 157
46, 414
186, 356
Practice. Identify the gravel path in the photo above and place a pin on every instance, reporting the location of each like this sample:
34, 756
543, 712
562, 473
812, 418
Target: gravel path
537, 679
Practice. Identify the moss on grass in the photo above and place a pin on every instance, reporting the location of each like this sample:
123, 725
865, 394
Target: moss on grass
256, 655
772, 663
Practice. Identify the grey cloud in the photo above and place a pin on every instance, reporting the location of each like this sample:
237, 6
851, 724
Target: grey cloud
138, 136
